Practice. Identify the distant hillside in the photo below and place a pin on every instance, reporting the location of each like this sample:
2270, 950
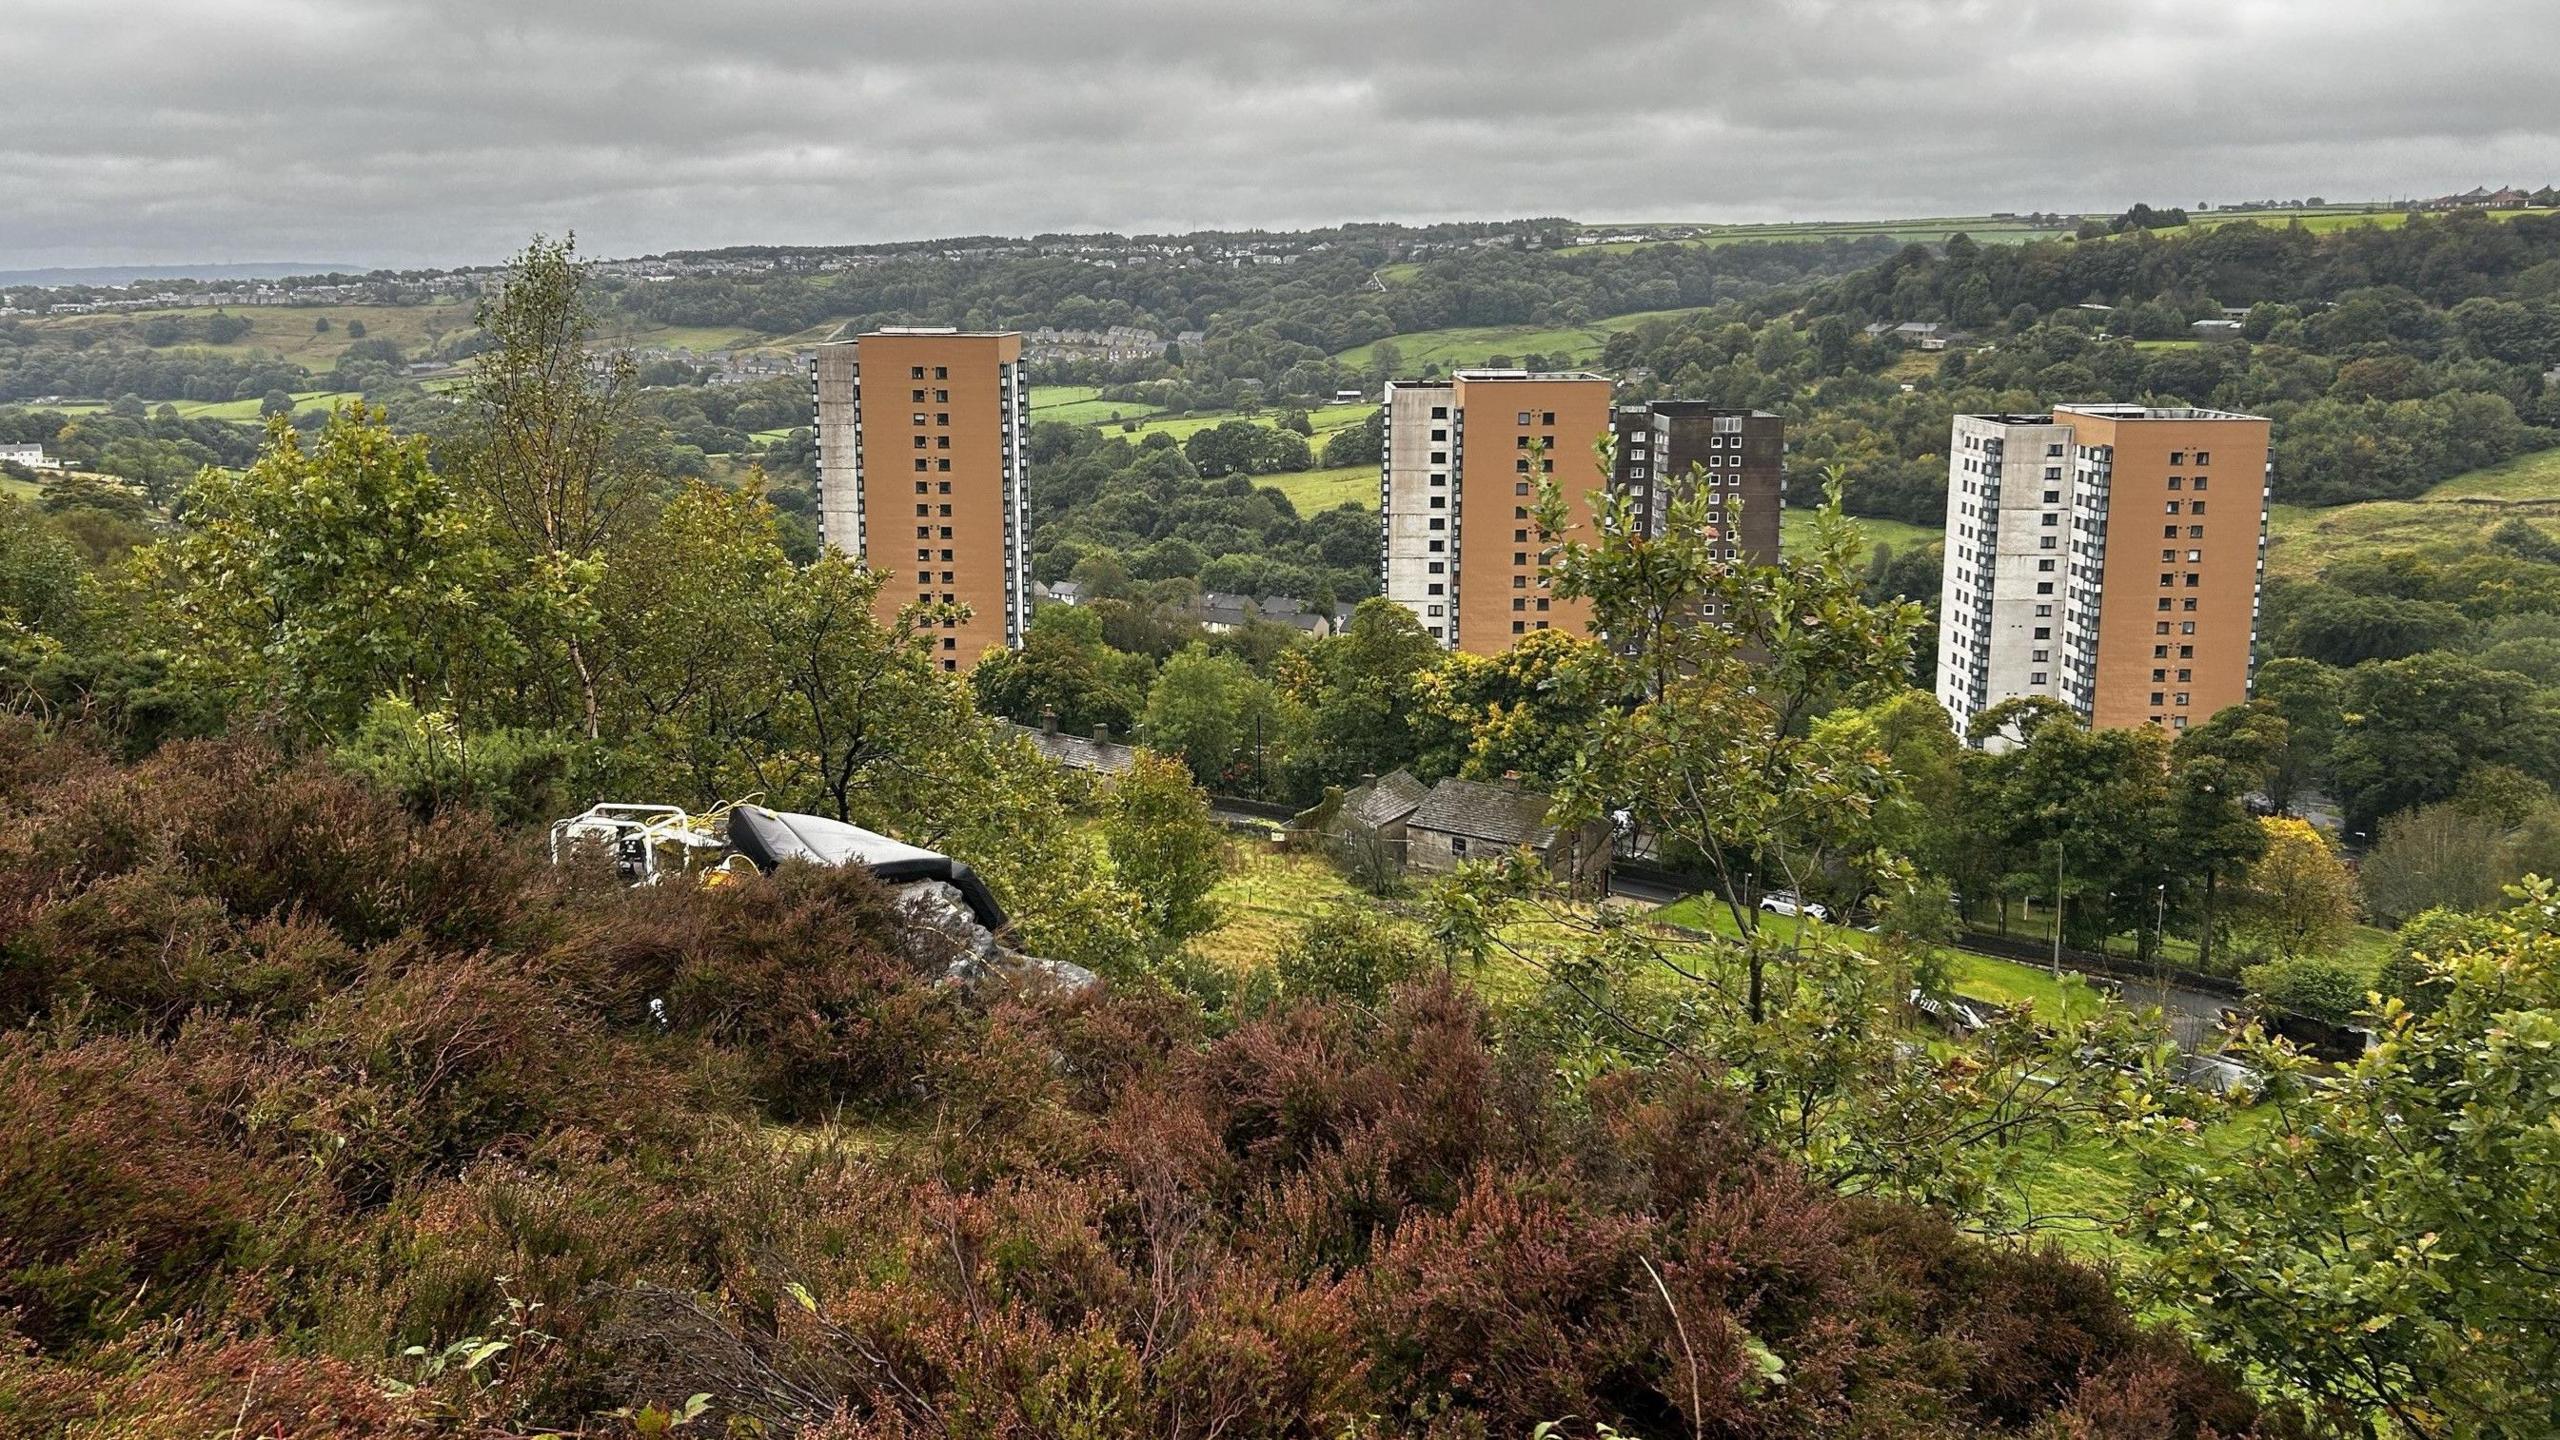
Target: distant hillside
127, 274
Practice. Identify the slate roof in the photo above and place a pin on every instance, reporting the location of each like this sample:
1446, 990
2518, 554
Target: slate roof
1079, 752
1384, 801
1502, 814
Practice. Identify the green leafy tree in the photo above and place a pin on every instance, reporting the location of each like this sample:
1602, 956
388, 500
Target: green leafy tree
2429, 939
1165, 845
2310, 696
1527, 711
1228, 724
43, 584
1357, 690
2418, 724
690, 691
1717, 754
2075, 816
325, 577
1066, 671
2387, 1248
1759, 745
1361, 444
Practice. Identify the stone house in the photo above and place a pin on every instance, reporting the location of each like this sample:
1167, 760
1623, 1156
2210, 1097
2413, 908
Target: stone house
1471, 820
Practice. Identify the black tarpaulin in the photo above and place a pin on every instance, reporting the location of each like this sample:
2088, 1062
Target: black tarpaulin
769, 837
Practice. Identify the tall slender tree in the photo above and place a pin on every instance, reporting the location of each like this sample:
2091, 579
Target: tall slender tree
546, 441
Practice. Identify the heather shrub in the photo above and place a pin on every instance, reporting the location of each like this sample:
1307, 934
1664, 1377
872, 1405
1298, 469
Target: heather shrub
189, 1389
124, 1195
311, 1100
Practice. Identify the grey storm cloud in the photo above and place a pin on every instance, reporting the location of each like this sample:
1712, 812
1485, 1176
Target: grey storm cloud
445, 131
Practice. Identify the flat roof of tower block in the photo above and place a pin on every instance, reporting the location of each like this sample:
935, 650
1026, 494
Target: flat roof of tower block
2153, 412
1696, 407
2014, 418
938, 330
1481, 375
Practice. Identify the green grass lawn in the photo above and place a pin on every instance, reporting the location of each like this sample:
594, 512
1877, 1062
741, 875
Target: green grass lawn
2364, 945
700, 339
1795, 525
1084, 405
2006, 982
1313, 490
1100, 413
1180, 427
1476, 344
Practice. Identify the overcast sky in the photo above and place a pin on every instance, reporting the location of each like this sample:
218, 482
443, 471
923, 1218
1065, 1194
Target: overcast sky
446, 131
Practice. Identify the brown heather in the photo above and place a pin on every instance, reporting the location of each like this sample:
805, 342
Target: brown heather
291, 1083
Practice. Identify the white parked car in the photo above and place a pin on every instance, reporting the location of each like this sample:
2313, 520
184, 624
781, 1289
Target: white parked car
1788, 902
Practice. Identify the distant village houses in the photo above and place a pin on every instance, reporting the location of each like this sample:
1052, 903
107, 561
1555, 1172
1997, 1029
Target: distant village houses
1097, 754
1119, 342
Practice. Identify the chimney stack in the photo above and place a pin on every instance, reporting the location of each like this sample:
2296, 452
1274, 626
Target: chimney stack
1101, 734
1048, 721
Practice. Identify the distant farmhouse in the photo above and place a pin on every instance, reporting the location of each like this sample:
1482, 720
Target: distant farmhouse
1924, 334
1395, 821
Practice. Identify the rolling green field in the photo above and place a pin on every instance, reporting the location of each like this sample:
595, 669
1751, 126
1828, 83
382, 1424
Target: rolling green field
700, 339
1930, 230
2321, 221
2301, 538
1475, 344
1104, 413
247, 410
244, 411
1081, 405
2526, 477
1312, 490
1794, 524
288, 330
